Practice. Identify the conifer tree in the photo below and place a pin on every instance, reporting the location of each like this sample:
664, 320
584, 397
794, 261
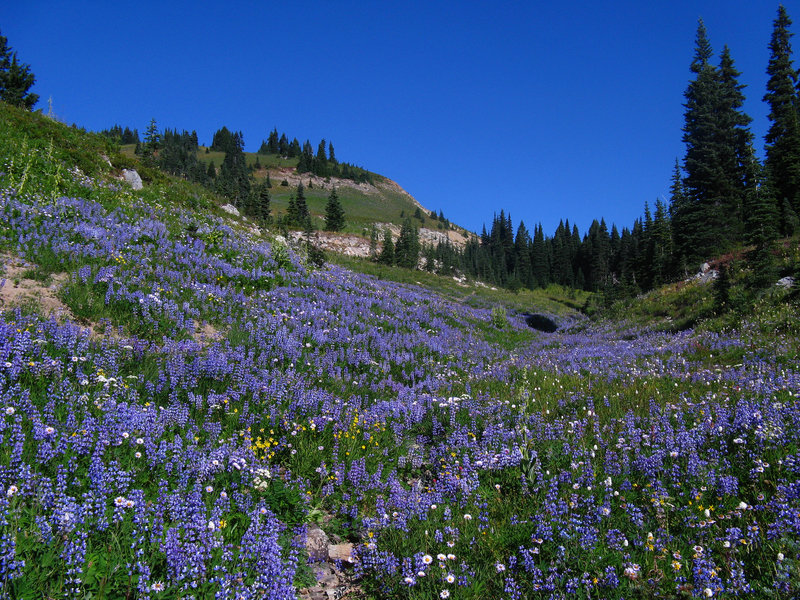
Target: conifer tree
387, 252
264, 200
661, 244
761, 218
233, 180
782, 142
373, 242
406, 251
334, 213
272, 142
539, 259
16, 78
291, 211
717, 142
302, 216
522, 251
679, 212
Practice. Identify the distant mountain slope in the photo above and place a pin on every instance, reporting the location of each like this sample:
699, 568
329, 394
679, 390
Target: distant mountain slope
383, 202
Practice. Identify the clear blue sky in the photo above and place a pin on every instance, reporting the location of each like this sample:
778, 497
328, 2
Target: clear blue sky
547, 110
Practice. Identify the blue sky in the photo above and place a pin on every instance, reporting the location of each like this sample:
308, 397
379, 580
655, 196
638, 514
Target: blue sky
548, 111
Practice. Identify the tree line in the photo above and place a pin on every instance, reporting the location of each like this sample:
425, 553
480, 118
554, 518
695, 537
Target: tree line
323, 163
721, 197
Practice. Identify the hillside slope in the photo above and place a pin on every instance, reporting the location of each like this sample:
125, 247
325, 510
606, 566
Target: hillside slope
205, 414
379, 201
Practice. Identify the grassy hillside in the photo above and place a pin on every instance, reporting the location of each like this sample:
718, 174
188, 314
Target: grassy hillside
363, 204
190, 410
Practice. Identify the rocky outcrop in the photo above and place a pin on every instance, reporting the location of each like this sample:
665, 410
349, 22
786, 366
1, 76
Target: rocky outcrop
231, 209
133, 178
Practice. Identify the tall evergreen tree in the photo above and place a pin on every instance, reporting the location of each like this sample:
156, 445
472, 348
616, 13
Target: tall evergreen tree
386, 256
334, 213
782, 142
679, 213
717, 142
233, 180
737, 142
302, 216
263, 207
761, 215
661, 245
272, 141
16, 78
540, 264
406, 251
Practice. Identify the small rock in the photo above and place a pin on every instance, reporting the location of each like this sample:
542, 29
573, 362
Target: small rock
231, 210
341, 552
133, 178
317, 544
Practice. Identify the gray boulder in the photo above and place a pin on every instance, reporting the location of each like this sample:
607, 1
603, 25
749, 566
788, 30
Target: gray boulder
231, 210
133, 178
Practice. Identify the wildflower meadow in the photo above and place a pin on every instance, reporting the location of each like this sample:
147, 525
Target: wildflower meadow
206, 395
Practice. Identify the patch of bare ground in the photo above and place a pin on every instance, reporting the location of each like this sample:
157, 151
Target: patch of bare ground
206, 333
21, 290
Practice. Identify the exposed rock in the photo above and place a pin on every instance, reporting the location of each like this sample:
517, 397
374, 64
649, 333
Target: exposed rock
317, 544
231, 209
133, 178
341, 552
706, 274
785, 282
331, 581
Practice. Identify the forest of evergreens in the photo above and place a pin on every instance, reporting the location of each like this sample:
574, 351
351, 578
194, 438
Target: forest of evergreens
722, 198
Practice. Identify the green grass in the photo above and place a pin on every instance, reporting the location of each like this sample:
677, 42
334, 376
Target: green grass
553, 299
362, 208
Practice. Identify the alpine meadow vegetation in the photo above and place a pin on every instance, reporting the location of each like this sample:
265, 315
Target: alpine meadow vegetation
206, 394
187, 398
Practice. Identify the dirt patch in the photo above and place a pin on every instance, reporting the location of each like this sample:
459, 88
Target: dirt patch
206, 333
20, 290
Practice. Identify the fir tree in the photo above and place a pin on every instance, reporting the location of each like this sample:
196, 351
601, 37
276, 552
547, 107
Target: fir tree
291, 212
273, 142
406, 251
263, 206
233, 180
283, 145
761, 218
373, 241
16, 79
782, 142
387, 251
302, 216
152, 142
334, 213
717, 142
523, 271
540, 264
